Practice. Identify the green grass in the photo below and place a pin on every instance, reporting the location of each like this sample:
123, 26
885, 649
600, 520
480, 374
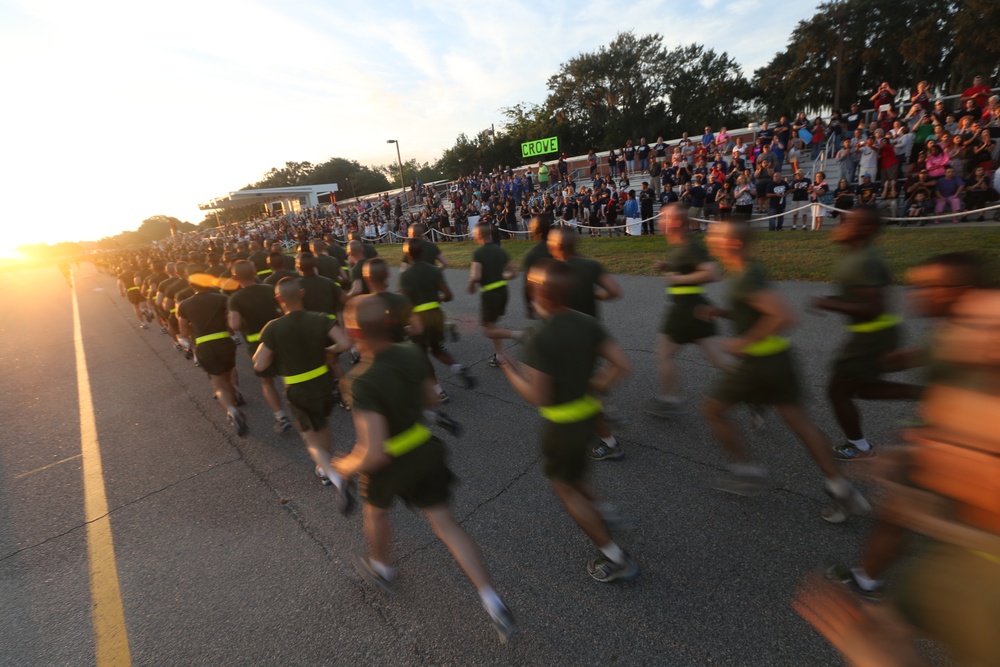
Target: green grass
790, 255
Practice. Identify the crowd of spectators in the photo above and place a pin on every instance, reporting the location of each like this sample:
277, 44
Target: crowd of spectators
910, 157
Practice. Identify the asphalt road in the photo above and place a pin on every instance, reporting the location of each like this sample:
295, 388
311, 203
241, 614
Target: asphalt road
230, 552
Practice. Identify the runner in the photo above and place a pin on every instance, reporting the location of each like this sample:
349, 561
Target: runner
424, 285
321, 296
250, 308
765, 375
397, 456
539, 233
592, 284
688, 269
491, 268
128, 288
558, 377
279, 270
297, 344
432, 253
874, 332
202, 318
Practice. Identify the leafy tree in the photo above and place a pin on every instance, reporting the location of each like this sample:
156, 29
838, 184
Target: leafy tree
703, 88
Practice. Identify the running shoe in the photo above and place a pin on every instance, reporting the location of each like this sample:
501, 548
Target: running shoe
143, 326
337, 396
238, 399
364, 567
493, 362
605, 570
322, 477
470, 382
283, 425
238, 422
604, 452
355, 358
664, 409
848, 452
444, 397
845, 575
447, 423
843, 507
503, 621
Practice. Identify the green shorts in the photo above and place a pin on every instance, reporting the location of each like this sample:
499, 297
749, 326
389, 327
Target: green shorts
566, 449
680, 324
311, 402
493, 305
431, 339
860, 357
216, 357
420, 477
768, 380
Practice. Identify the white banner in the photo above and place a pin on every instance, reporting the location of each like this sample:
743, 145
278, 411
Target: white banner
633, 226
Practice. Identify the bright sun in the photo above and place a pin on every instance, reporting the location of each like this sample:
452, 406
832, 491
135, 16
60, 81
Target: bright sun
10, 253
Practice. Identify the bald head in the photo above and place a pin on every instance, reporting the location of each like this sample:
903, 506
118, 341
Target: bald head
244, 271
370, 315
413, 249
376, 274
306, 263
318, 246
356, 250
416, 230
562, 243
289, 291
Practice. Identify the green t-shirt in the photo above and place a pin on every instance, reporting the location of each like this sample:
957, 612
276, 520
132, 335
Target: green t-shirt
259, 260
298, 340
685, 259
273, 279
358, 273
338, 254
543, 175
860, 269
564, 347
256, 305
588, 272
493, 260
741, 289
538, 251
321, 294
206, 312
420, 283
392, 386
328, 267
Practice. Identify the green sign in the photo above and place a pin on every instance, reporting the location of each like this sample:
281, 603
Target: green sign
540, 147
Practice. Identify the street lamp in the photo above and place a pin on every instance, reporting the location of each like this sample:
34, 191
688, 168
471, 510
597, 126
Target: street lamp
402, 183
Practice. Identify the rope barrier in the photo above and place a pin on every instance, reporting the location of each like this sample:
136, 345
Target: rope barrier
936, 216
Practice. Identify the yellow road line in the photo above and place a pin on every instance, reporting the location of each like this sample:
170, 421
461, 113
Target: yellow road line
32, 472
107, 613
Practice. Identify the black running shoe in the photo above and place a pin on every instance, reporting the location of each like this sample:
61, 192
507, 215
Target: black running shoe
605, 570
503, 621
364, 567
444, 397
845, 575
238, 399
283, 425
355, 358
447, 423
604, 452
470, 382
493, 362
238, 422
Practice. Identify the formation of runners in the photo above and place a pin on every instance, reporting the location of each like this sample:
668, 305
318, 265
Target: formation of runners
296, 317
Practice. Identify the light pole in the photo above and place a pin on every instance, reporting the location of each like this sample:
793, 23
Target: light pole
402, 183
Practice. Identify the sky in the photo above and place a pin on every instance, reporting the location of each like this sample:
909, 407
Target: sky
116, 111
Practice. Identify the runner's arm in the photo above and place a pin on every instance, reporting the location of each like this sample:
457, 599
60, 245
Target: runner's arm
341, 343
776, 316
235, 321
869, 303
263, 357
609, 287
707, 272
618, 366
530, 384
368, 454
475, 275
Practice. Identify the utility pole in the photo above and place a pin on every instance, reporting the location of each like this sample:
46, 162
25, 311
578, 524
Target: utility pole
402, 182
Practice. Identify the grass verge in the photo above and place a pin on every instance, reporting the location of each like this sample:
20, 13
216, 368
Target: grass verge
790, 255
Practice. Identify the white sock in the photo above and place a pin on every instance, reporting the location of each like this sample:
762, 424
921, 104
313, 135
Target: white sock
387, 572
456, 368
861, 444
863, 580
838, 486
279, 415
614, 553
490, 599
610, 441
438, 390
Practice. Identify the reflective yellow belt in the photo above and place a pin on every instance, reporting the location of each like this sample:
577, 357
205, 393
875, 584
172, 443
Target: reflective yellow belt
572, 412
878, 324
264, 272
216, 336
133, 288
430, 305
308, 375
767, 346
173, 311
686, 289
407, 441
331, 316
492, 286
253, 338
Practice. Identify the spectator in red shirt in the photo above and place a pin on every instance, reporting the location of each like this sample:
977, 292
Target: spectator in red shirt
882, 97
979, 93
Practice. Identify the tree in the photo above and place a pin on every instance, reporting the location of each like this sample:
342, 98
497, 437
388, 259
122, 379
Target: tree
704, 88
